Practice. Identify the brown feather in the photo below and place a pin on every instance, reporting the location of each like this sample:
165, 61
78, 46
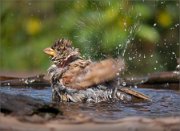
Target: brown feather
83, 74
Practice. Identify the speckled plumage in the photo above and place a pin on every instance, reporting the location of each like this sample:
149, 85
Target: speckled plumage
75, 79
96, 93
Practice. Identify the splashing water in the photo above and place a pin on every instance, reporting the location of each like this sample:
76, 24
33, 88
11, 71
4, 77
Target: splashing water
95, 26
130, 37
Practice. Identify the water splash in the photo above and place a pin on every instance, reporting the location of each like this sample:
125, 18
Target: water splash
130, 37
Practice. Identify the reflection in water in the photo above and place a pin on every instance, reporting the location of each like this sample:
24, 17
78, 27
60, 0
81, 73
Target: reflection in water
40, 93
164, 103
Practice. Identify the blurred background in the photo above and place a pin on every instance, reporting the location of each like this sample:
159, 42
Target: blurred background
145, 33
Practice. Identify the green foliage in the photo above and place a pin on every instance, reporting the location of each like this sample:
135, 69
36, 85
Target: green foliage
148, 33
99, 28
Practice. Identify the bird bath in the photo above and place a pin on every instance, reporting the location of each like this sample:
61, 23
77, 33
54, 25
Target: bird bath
164, 103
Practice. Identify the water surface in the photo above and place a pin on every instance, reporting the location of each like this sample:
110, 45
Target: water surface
164, 103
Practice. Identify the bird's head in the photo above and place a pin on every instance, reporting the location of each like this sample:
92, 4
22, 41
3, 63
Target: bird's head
62, 53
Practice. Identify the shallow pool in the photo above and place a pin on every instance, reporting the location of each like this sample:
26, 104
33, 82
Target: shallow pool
164, 103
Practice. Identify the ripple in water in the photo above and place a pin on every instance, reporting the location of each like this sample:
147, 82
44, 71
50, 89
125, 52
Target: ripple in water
164, 103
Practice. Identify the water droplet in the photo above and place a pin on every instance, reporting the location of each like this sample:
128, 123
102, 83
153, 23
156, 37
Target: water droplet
130, 58
156, 61
178, 67
128, 41
172, 28
144, 56
176, 25
124, 84
167, 85
155, 68
130, 32
154, 24
151, 56
135, 86
161, 66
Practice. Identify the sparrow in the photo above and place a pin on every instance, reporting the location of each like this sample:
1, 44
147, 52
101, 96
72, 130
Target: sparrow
76, 79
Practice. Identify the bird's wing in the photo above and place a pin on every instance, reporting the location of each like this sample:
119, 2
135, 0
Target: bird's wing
83, 75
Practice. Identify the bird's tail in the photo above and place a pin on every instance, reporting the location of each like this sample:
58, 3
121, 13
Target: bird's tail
134, 93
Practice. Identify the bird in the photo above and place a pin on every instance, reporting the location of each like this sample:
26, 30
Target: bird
76, 79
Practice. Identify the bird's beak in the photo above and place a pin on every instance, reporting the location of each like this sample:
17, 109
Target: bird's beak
50, 51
